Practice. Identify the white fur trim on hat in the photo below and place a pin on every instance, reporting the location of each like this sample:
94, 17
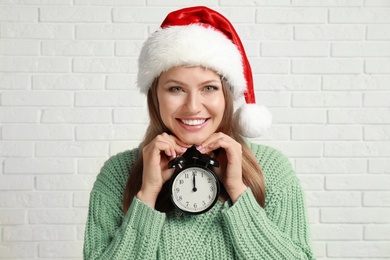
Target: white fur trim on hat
252, 120
192, 45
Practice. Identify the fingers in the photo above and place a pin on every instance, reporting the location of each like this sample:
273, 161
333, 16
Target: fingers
221, 140
215, 141
155, 165
164, 143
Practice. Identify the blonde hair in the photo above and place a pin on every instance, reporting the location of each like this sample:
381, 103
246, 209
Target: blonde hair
251, 171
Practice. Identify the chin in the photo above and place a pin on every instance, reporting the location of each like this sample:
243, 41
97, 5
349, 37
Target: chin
193, 140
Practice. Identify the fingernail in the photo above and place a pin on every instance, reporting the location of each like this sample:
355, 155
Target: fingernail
184, 148
200, 149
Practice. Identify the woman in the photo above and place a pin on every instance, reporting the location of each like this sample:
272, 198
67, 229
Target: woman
192, 70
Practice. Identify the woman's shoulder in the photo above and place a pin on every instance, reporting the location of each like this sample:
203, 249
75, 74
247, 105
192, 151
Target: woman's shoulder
276, 167
268, 155
122, 160
115, 171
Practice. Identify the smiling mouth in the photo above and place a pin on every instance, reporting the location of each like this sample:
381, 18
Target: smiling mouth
193, 122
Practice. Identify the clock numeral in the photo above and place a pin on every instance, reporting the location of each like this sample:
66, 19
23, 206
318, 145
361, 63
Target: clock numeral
181, 181
209, 197
186, 175
177, 189
204, 203
194, 173
212, 188
180, 198
209, 180
187, 203
195, 205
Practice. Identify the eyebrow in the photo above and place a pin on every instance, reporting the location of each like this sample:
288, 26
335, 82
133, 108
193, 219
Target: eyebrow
182, 83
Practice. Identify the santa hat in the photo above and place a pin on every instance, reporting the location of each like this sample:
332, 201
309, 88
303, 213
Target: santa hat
199, 36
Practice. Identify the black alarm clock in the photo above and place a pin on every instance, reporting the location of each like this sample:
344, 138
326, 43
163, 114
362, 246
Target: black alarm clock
194, 186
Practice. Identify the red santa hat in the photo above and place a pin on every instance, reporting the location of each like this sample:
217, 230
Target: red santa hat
199, 36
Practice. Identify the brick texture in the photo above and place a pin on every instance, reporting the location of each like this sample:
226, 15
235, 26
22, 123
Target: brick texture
69, 101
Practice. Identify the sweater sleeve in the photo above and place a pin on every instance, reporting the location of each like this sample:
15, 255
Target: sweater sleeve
111, 235
278, 231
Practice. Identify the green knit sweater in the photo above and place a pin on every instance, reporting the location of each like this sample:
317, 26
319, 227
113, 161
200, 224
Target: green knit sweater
243, 230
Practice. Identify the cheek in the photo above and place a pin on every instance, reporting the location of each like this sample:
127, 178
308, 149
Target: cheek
164, 112
217, 105
167, 107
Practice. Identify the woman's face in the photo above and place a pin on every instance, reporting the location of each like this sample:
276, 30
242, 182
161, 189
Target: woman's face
191, 102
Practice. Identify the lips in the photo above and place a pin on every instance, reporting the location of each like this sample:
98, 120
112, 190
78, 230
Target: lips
193, 122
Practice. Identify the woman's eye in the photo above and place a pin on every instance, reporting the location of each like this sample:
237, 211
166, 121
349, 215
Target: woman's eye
175, 89
210, 88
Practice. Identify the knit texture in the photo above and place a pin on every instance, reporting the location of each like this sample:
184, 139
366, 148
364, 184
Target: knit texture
243, 230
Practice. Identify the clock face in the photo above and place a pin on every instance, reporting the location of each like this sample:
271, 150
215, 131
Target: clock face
195, 190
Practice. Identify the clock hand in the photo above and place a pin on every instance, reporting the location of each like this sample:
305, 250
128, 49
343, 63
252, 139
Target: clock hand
193, 181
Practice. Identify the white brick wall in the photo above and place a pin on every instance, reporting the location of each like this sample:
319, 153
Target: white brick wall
68, 102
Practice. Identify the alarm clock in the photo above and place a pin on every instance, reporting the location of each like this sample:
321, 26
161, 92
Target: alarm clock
194, 186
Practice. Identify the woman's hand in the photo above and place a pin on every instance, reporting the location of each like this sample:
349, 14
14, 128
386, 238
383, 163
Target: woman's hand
230, 160
156, 156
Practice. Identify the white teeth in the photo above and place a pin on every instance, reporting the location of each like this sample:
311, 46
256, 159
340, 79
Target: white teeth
193, 122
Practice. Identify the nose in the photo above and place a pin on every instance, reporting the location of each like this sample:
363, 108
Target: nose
194, 102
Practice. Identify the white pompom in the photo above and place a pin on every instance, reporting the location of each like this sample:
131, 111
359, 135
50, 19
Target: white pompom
252, 120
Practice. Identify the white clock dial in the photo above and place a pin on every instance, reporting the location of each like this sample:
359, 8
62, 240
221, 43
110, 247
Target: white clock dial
195, 190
